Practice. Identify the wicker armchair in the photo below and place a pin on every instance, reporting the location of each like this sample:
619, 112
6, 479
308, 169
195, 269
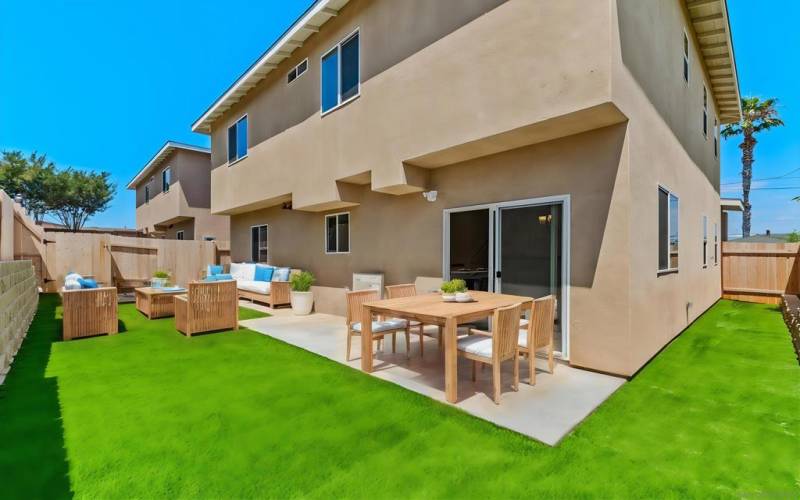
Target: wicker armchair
89, 312
207, 307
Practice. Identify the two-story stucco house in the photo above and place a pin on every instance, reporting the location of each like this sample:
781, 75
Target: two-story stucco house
173, 195
526, 146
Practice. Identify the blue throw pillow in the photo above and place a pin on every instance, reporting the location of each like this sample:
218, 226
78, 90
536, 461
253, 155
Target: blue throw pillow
263, 273
87, 283
214, 270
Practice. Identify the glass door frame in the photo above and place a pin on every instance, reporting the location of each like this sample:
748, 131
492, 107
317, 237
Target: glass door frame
494, 239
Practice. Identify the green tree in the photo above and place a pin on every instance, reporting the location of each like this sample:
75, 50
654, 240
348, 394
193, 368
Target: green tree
76, 195
757, 116
30, 177
793, 237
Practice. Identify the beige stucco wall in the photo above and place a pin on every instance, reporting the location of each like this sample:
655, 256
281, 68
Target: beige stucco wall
402, 235
186, 206
476, 82
612, 67
667, 148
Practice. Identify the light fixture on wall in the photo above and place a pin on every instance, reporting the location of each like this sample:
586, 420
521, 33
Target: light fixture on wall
287, 205
430, 195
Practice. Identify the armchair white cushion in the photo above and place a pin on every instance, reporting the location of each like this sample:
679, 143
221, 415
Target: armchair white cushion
479, 345
382, 326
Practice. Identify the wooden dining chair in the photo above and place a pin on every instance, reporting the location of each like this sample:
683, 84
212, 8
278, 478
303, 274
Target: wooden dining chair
495, 347
433, 331
380, 328
539, 334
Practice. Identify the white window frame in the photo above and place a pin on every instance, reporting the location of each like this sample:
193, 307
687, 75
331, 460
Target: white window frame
705, 241
179, 235
669, 192
227, 140
166, 185
716, 244
254, 258
294, 70
686, 49
338, 49
705, 112
349, 225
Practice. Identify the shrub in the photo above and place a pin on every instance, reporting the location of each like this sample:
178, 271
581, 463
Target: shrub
454, 286
301, 282
793, 237
161, 274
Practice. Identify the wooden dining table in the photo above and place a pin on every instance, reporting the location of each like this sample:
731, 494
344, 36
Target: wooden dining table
430, 309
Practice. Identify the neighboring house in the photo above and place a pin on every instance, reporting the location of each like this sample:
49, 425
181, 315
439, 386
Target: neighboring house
173, 195
565, 147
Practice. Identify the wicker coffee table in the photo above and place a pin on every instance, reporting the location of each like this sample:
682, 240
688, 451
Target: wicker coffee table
156, 303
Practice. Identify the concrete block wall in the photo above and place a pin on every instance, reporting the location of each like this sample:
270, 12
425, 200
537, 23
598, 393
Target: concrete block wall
19, 298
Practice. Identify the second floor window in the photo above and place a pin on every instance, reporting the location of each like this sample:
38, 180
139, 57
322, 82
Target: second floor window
716, 137
340, 73
237, 140
705, 112
667, 231
147, 193
179, 235
298, 70
685, 58
166, 179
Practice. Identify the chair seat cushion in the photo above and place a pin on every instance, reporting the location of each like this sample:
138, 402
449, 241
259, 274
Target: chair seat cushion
382, 326
261, 287
523, 338
479, 345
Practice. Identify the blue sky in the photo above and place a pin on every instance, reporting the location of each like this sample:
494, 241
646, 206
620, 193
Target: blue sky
102, 85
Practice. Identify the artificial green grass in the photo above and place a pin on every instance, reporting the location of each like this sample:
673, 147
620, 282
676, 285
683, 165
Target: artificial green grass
152, 414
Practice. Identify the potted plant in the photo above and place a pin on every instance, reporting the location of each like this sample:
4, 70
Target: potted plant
454, 290
160, 279
302, 297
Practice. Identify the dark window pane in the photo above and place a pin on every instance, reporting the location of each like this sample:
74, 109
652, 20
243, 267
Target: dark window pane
350, 68
292, 76
241, 138
330, 231
330, 81
302, 67
232, 143
344, 233
254, 243
663, 228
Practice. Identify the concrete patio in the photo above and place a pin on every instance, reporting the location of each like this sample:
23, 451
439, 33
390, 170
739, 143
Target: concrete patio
546, 412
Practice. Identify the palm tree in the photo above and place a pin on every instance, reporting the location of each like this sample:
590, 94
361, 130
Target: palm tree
757, 116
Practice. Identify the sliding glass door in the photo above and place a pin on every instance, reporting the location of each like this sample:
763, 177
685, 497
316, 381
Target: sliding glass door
517, 247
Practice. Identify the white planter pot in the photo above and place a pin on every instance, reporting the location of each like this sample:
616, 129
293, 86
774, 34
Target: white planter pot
158, 282
302, 303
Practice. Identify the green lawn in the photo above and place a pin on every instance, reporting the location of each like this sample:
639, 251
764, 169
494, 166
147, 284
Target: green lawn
152, 414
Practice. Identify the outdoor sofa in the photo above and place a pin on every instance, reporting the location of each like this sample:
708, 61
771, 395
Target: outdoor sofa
257, 282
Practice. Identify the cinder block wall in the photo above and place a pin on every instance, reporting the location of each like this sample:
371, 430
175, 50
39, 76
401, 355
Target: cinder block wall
19, 297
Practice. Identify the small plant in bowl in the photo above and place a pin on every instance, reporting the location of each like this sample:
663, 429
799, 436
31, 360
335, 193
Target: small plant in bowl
302, 298
452, 289
160, 279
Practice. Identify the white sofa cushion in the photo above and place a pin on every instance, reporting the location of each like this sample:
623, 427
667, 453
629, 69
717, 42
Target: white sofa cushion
479, 345
72, 284
261, 287
244, 272
382, 326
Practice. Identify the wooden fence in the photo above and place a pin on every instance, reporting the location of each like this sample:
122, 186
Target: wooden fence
760, 272
108, 258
